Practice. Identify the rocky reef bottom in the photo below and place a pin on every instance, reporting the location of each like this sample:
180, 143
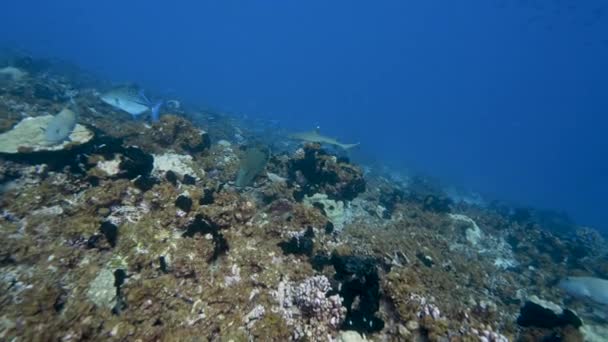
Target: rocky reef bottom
143, 233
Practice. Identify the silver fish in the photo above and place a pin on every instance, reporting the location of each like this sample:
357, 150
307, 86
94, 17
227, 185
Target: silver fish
595, 289
60, 127
132, 100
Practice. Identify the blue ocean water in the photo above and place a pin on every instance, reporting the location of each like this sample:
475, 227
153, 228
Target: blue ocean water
507, 98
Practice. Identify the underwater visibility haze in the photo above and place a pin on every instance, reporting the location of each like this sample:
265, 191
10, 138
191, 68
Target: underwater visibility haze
287, 170
503, 97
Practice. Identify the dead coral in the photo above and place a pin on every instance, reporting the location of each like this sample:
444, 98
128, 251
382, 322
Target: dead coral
179, 135
171, 133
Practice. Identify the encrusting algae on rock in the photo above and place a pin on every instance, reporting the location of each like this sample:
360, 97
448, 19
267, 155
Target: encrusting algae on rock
140, 232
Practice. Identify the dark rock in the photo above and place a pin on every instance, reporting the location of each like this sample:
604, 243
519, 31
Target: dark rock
329, 227
200, 226
163, 264
207, 197
359, 280
299, 245
94, 181
318, 172
110, 231
135, 162
93, 241
203, 226
189, 180
298, 195
184, 203
171, 177
319, 206
319, 261
60, 301
7, 259
352, 265
425, 259
120, 276
145, 183
204, 144
221, 247
535, 315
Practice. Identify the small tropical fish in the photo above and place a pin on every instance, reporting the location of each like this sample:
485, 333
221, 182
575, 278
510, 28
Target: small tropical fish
315, 136
595, 289
60, 127
133, 101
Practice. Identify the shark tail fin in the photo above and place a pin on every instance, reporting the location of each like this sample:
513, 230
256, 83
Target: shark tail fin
349, 146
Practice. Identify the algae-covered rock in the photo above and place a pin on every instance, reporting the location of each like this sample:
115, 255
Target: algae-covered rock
181, 164
545, 314
351, 336
179, 134
473, 233
316, 171
334, 210
29, 136
102, 291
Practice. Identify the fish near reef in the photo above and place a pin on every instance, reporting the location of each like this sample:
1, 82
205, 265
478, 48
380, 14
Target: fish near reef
594, 289
252, 164
60, 127
133, 101
316, 137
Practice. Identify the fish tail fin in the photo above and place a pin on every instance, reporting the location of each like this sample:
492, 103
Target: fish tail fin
142, 94
349, 146
156, 111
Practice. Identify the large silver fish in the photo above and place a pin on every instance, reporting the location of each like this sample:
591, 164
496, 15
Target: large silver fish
595, 289
315, 136
132, 100
60, 127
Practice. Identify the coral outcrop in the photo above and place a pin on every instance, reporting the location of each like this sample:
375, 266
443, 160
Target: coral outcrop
315, 171
29, 136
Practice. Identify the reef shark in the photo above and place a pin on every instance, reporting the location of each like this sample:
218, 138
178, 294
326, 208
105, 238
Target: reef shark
315, 136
